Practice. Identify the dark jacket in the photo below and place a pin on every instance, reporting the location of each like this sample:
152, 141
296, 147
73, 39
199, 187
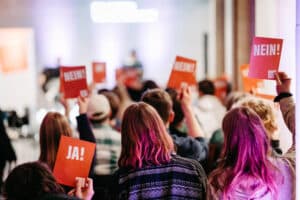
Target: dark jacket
7, 152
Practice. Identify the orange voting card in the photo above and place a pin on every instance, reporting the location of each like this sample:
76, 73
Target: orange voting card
265, 57
73, 81
73, 159
252, 85
249, 84
221, 87
99, 72
183, 73
265, 96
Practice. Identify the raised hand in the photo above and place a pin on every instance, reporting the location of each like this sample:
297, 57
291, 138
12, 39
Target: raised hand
283, 82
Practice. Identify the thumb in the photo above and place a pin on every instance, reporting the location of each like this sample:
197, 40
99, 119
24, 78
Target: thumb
78, 192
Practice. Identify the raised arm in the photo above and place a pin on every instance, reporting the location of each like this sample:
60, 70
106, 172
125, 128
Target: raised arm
83, 125
284, 97
194, 146
84, 128
194, 129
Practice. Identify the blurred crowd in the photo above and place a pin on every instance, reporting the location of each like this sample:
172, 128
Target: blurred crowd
163, 143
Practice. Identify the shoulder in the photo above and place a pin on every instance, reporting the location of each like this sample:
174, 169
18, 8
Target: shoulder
187, 163
217, 137
285, 166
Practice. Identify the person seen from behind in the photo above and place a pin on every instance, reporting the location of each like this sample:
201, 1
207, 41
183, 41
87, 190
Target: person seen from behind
148, 167
193, 145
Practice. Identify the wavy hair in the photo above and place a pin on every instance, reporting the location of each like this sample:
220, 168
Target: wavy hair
145, 140
245, 153
31, 181
264, 110
53, 126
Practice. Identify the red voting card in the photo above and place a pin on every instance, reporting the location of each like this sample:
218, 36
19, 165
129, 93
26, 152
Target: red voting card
73, 159
99, 72
73, 81
265, 57
183, 73
128, 76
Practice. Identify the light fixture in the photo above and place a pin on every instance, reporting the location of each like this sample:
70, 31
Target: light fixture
121, 12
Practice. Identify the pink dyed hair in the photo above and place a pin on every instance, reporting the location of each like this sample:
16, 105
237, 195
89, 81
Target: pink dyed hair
245, 153
145, 140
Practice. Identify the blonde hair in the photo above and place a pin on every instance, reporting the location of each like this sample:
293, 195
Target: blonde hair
145, 140
53, 126
265, 110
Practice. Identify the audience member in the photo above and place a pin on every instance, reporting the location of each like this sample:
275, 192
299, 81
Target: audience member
125, 101
209, 109
148, 167
266, 111
53, 126
108, 141
114, 103
235, 97
148, 85
247, 171
191, 146
287, 107
178, 125
35, 181
286, 101
7, 153
217, 139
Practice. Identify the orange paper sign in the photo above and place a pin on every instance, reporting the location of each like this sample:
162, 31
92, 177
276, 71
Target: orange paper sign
265, 57
249, 84
99, 72
128, 76
183, 72
73, 159
253, 85
73, 81
221, 87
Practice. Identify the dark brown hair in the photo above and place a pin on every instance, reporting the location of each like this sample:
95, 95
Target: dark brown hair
30, 181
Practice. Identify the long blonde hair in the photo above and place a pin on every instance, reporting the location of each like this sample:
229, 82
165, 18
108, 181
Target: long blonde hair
264, 110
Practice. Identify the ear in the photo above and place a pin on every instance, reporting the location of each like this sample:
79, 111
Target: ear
171, 116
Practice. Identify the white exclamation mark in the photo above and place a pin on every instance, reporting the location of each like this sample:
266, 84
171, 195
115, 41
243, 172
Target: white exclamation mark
81, 153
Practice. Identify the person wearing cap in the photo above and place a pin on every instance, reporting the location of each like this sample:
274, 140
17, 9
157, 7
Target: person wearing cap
108, 140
